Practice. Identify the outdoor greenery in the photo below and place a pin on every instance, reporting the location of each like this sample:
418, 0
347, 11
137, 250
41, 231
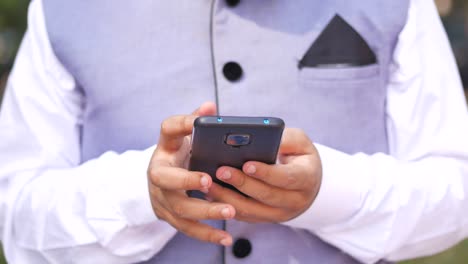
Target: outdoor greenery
13, 23
12, 26
2, 259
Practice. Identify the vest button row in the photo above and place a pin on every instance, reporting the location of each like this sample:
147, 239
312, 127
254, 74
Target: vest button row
232, 3
232, 71
241, 248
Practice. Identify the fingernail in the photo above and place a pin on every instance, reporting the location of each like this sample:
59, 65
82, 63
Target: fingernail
251, 169
226, 213
225, 241
226, 175
204, 181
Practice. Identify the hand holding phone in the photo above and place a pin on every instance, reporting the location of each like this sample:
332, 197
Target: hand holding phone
274, 193
169, 179
231, 141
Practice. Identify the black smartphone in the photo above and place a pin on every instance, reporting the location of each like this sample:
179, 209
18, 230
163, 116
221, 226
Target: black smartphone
231, 141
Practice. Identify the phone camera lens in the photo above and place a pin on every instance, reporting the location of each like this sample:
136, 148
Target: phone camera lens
237, 140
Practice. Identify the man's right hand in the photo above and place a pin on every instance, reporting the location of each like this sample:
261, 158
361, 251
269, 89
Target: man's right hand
169, 179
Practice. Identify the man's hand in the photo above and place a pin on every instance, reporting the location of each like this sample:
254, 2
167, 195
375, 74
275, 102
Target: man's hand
169, 179
279, 192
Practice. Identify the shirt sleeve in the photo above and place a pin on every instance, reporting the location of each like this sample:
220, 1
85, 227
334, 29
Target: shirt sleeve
414, 201
52, 208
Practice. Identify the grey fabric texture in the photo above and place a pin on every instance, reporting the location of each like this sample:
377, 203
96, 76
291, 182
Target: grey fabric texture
140, 62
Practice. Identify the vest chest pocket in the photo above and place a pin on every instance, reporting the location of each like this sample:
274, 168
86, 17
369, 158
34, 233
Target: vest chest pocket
338, 74
346, 106
346, 83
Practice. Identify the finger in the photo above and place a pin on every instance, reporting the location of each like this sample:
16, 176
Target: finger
201, 231
175, 128
196, 209
173, 178
292, 176
295, 142
173, 131
207, 108
247, 209
260, 191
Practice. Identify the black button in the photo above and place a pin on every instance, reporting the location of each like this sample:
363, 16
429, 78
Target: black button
232, 3
241, 248
232, 71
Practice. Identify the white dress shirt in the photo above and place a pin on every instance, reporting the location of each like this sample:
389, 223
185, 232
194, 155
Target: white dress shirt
410, 203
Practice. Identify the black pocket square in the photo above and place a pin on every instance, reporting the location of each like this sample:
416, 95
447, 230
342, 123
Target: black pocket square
338, 44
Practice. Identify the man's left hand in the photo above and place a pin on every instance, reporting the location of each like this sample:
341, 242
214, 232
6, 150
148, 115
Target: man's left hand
279, 192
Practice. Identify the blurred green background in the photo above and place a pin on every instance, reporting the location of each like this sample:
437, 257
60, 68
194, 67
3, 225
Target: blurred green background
454, 14
12, 25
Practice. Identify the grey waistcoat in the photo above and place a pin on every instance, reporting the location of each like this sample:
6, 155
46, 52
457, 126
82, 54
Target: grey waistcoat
138, 62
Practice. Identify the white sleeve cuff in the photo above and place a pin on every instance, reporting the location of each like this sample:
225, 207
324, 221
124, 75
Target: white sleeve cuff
120, 198
341, 194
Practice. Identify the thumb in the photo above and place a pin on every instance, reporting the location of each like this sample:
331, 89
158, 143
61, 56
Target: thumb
207, 108
295, 142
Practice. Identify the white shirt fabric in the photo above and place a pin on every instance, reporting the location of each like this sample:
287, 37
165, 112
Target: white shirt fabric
410, 203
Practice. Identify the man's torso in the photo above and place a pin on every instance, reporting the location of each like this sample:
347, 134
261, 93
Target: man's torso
138, 63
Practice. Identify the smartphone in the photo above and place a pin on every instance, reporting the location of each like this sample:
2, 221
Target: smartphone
231, 141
